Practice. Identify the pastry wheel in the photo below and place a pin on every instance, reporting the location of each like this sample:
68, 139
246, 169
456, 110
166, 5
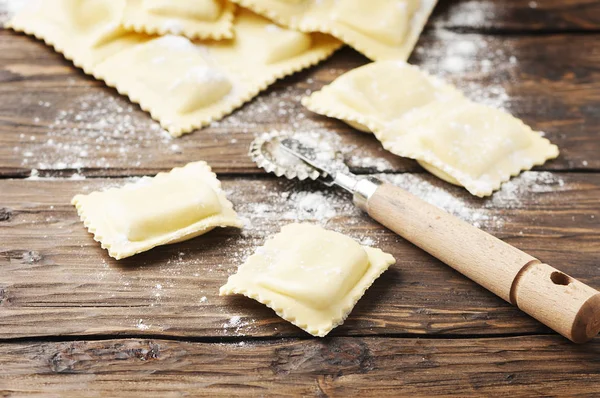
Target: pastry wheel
561, 302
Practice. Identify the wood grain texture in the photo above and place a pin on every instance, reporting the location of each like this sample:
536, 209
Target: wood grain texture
56, 120
57, 281
518, 16
539, 60
317, 367
504, 15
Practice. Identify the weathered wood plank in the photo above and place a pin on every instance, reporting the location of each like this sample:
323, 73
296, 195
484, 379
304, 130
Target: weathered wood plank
532, 366
519, 16
484, 15
57, 281
54, 118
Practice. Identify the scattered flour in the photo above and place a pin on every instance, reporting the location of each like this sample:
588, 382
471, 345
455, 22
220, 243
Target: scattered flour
141, 325
233, 322
102, 122
421, 186
368, 241
311, 206
466, 61
95, 130
474, 13
375, 164
482, 213
235, 325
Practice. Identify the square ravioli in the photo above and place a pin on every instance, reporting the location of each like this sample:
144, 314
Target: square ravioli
379, 29
194, 19
168, 208
418, 116
309, 276
184, 84
85, 31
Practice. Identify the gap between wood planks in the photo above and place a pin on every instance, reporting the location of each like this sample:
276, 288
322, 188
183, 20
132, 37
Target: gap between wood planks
237, 339
491, 31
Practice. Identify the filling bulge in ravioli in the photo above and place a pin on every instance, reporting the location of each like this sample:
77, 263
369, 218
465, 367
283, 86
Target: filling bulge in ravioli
418, 116
285, 43
200, 86
168, 208
176, 69
309, 276
97, 20
86, 15
318, 273
472, 138
385, 20
204, 10
277, 44
176, 203
369, 93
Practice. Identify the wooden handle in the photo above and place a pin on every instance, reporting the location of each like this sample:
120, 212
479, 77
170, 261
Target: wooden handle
559, 301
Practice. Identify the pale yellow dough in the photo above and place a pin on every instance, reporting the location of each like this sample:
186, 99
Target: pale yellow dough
194, 19
380, 29
309, 276
168, 208
184, 84
418, 116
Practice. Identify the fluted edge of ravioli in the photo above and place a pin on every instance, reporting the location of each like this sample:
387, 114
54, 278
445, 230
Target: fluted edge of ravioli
323, 46
325, 102
224, 32
416, 26
378, 260
320, 101
232, 221
468, 182
51, 42
327, 47
314, 104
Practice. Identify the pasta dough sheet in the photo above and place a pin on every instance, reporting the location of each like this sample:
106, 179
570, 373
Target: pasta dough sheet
309, 276
168, 208
418, 116
380, 29
184, 84
194, 19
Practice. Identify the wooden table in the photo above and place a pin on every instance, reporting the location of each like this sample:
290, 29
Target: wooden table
74, 322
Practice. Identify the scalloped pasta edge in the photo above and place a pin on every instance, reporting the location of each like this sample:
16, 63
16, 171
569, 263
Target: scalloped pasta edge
222, 30
320, 103
202, 227
382, 263
325, 47
417, 26
317, 55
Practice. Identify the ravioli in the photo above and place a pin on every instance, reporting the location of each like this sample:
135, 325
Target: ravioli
380, 29
418, 116
184, 84
310, 276
194, 19
168, 208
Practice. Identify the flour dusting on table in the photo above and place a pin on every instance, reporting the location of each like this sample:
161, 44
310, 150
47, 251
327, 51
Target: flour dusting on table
97, 122
466, 61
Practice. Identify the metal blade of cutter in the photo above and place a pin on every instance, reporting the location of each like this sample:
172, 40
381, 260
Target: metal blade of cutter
293, 158
289, 157
328, 163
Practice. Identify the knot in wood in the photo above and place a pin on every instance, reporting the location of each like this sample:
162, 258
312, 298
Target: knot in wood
5, 214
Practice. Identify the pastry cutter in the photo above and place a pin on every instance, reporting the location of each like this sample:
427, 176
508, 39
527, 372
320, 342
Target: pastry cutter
559, 301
